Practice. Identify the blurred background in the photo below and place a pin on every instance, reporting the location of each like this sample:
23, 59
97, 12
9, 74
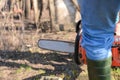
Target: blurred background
22, 24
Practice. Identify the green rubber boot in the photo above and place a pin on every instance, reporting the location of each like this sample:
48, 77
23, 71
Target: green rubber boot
100, 69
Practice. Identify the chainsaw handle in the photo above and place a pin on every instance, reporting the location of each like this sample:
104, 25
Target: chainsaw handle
114, 46
78, 26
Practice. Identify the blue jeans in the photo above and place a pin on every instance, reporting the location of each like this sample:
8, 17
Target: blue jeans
98, 24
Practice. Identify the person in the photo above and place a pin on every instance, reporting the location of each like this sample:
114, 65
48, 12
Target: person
99, 18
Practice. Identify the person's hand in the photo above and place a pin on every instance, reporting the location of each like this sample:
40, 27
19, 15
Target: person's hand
117, 29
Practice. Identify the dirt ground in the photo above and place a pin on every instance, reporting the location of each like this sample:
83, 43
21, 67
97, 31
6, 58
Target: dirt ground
33, 63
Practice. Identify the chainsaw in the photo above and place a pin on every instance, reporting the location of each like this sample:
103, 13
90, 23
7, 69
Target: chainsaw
77, 50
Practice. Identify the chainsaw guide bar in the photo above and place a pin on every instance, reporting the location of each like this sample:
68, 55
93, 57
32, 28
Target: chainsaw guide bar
56, 45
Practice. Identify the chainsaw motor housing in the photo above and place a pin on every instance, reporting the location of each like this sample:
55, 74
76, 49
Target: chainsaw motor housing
115, 53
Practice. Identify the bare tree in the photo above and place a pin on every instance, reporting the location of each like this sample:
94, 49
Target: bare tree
27, 8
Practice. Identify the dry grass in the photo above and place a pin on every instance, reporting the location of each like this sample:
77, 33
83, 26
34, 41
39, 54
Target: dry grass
32, 63
11, 40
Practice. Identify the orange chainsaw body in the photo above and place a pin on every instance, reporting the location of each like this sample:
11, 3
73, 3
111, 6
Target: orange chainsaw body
115, 53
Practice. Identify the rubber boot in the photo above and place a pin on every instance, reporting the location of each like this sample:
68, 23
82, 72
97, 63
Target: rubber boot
100, 69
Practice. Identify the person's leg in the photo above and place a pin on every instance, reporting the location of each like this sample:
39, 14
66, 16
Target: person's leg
99, 69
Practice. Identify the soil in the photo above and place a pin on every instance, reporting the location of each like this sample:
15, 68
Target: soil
34, 63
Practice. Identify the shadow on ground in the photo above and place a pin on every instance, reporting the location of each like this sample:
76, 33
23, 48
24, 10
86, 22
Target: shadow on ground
52, 63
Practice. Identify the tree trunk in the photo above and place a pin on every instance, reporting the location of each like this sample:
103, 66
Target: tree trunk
52, 15
36, 10
65, 14
27, 8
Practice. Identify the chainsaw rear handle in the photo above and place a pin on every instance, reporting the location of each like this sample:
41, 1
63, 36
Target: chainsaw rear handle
77, 56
